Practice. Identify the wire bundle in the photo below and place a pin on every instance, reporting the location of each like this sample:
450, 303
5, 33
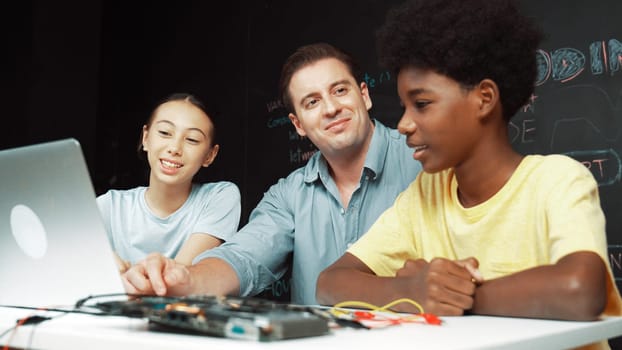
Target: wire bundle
373, 316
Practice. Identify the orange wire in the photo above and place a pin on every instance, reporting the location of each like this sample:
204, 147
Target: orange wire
19, 323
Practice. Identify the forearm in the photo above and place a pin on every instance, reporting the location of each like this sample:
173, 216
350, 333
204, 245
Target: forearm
441, 286
567, 291
343, 284
196, 244
210, 276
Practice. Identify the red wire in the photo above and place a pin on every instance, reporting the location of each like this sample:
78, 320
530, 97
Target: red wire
19, 323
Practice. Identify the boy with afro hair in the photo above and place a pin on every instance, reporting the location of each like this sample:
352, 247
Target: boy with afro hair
484, 229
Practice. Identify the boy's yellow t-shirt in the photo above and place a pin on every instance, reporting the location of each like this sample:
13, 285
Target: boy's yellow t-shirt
549, 208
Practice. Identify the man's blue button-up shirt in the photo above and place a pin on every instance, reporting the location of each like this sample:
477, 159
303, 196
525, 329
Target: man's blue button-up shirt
303, 214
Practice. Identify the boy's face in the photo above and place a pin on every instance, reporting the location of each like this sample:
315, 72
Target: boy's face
440, 119
331, 109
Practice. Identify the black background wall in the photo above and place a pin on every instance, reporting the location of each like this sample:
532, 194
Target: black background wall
94, 70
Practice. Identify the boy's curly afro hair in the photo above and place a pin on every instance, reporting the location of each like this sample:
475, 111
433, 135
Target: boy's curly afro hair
466, 40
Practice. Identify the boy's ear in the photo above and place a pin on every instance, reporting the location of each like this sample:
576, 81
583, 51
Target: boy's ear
488, 95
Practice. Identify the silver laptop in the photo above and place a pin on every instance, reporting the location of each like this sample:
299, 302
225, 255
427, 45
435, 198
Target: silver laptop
53, 245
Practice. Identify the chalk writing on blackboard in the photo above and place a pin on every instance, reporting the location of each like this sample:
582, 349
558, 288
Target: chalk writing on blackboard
277, 121
274, 105
605, 164
522, 131
567, 63
375, 80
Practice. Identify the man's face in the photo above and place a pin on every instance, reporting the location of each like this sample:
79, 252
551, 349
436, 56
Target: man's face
331, 109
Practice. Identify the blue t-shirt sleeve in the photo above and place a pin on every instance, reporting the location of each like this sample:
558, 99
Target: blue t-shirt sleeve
104, 202
220, 214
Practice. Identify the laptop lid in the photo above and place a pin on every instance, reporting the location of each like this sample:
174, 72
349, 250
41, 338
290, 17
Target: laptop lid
53, 246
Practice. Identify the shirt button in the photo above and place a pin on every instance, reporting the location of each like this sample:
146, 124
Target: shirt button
343, 211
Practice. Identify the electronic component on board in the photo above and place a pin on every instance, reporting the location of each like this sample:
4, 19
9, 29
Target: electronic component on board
229, 317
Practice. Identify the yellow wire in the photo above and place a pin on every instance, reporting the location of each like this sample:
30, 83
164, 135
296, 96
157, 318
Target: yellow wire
365, 305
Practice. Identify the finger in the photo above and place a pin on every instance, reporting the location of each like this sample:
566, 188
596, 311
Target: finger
154, 268
450, 267
472, 266
458, 300
449, 289
448, 274
471, 261
176, 277
135, 280
128, 287
475, 273
451, 284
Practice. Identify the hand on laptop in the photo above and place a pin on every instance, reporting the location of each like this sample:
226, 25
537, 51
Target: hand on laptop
156, 274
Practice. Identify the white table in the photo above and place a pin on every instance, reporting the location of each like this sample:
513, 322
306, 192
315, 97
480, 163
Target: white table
75, 331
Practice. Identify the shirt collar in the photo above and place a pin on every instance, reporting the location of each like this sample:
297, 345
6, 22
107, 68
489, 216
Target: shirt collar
374, 161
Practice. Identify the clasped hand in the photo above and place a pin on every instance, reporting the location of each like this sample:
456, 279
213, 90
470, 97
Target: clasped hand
442, 286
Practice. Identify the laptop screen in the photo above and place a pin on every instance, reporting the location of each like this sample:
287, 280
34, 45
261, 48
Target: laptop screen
53, 246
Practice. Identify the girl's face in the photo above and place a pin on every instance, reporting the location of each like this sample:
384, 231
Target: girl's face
178, 142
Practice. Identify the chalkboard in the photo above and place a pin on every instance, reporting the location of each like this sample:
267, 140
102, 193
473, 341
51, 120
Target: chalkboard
577, 105
576, 108
119, 57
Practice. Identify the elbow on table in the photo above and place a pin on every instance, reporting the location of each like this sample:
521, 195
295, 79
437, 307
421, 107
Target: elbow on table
322, 292
587, 294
